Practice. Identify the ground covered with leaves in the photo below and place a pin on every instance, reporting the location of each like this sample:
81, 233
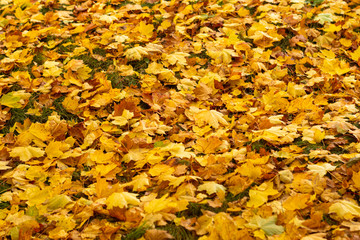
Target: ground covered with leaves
232, 119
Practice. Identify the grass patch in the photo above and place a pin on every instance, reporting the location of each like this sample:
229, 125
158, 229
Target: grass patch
121, 82
68, 48
17, 115
59, 108
338, 150
256, 146
231, 197
329, 220
252, 10
314, 3
284, 43
20, 114
352, 161
93, 63
149, 4
140, 66
135, 233
307, 147
202, 54
44, 10
39, 59
99, 51
4, 187
245, 39
178, 232
76, 175
195, 210
4, 205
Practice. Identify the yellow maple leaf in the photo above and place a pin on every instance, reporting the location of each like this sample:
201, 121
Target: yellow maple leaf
146, 29
123, 119
213, 187
249, 170
224, 56
26, 153
108, 18
177, 58
178, 150
51, 69
321, 168
157, 204
296, 201
277, 134
164, 25
83, 73
71, 104
267, 225
345, 42
58, 233
355, 55
58, 201
121, 200
314, 135
39, 131
74, 65
207, 145
356, 179
3, 165
165, 204
35, 196
140, 182
221, 226
104, 170
259, 195
211, 117
55, 149
14, 99
36, 173
295, 90
345, 209
135, 53
161, 169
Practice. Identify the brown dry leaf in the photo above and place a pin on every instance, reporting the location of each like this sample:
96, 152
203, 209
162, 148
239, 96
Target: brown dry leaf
156, 234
